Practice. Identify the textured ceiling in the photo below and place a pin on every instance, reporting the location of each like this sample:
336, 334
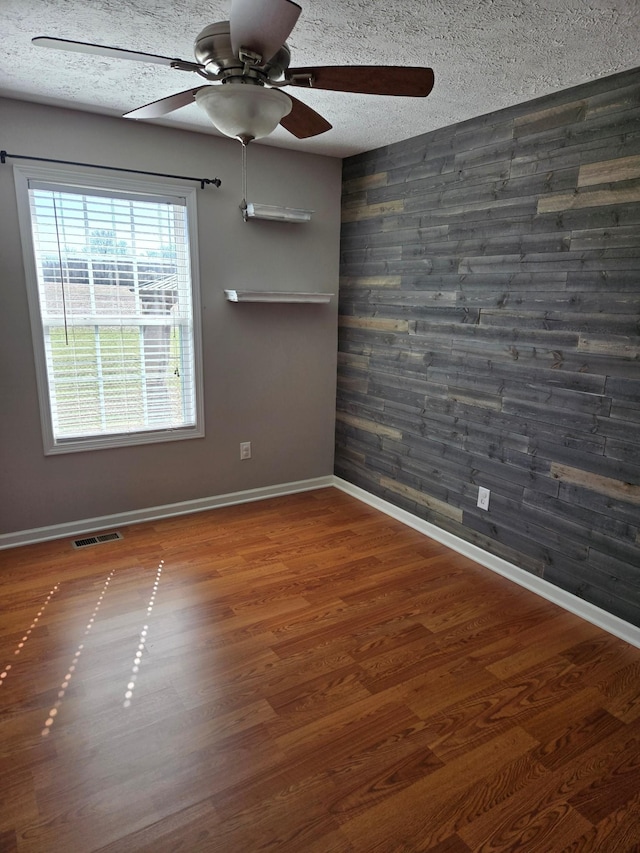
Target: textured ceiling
486, 54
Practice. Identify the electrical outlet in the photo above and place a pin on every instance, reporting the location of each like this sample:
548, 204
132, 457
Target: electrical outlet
483, 497
245, 450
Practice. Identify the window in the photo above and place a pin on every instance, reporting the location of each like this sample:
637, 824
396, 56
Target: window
114, 306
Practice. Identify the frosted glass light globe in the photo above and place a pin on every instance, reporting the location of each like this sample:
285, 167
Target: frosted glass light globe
244, 111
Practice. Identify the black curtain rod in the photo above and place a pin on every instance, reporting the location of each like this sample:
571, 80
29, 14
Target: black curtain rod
203, 181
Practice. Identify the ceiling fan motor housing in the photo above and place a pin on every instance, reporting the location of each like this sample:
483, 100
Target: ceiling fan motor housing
213, 50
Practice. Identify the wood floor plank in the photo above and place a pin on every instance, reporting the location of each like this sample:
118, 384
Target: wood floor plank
543, 812
618, 832
269, 824
187, 829
304, 674
17, 801
616, 787
538, 830
575, 737
358, 725
622, 697
555, 635
9, 842
468, 804
414, 812
453, 844
479, 718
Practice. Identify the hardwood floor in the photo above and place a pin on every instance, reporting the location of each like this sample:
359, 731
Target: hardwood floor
304, 674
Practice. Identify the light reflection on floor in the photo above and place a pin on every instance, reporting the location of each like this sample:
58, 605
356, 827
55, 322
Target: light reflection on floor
62, 689
141, 642
72, 667
21, 644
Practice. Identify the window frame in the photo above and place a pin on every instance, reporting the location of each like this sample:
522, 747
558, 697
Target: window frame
148, 189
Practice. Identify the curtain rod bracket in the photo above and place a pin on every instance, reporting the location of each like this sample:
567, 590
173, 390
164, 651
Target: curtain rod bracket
202, 181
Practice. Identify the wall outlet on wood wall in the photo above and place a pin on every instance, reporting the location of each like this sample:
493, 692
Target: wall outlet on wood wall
483, 497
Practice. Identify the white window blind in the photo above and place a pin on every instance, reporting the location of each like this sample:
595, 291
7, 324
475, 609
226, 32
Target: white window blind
115, 305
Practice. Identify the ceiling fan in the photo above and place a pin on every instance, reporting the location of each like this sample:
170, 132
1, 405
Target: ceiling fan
249, 58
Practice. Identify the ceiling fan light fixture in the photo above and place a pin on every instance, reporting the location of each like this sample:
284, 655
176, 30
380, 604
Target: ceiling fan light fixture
244, 112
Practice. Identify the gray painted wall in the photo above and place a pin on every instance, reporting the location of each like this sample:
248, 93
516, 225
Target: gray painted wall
489, 334
269, 369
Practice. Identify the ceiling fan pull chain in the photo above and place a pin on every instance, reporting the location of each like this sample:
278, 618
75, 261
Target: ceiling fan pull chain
244, 172
243, 206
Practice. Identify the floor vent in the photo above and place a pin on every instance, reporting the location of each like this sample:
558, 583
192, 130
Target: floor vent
96, 540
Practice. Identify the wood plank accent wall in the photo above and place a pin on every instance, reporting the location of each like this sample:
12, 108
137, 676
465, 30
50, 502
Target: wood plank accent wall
490, 334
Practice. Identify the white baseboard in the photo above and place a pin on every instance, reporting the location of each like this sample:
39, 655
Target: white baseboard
91, 525
566, 600
607, 621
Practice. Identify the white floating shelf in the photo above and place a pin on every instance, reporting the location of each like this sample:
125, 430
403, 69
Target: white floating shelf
276, 296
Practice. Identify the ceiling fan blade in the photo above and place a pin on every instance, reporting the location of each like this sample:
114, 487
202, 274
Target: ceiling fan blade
304, 122
165, 105
262, 26
112, 52
365, 79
